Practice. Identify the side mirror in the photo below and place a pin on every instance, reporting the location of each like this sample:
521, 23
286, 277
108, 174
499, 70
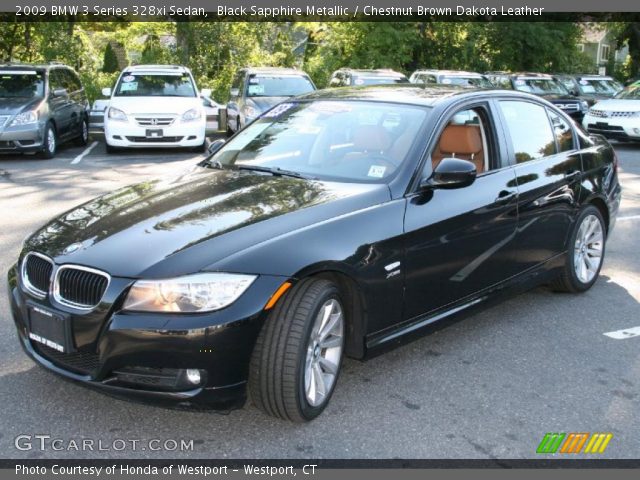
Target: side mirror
205, 92
235, 92
574, 92
106, 92
60, 92
215, 146
451, 173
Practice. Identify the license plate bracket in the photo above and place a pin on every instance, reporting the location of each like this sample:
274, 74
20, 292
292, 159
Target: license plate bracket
154, 133
49, 328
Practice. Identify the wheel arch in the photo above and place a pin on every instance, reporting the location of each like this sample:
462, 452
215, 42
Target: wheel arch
354, 299
601, 205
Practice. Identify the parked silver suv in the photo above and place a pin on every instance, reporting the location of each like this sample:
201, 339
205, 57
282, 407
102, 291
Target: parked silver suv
41, 106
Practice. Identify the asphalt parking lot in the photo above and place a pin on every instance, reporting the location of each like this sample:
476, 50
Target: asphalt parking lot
488, 387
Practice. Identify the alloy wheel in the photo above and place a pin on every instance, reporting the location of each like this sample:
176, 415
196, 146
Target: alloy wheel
588, 248
51, 141
324, 351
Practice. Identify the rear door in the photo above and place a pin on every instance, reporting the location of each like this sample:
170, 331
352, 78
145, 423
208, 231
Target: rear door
61, 106
548, 172
461, 241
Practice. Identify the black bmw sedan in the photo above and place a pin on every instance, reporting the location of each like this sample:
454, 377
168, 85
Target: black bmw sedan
339, 223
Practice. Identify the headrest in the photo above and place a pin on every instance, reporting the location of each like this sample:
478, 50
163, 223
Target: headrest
461, 140
371, 138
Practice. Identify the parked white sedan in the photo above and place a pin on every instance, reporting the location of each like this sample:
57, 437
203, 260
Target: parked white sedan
618, 118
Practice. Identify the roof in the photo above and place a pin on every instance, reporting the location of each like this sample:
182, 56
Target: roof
410, 93
585, 75
451, 73
592, 33
279, 70
31, 66
374, 71
173, 68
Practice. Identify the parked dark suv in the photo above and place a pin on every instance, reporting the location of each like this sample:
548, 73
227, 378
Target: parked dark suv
544, 86
590, 88
41, 106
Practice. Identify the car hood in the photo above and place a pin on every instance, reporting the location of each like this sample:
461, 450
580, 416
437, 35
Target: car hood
556, 97
265, 103
13, 106
177, 226
618, 105
171, 105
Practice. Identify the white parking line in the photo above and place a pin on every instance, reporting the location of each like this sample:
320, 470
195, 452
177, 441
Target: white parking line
626, 333
630, 217
79, 158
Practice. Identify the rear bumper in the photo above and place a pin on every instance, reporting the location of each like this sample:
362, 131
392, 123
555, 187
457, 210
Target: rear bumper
126, 346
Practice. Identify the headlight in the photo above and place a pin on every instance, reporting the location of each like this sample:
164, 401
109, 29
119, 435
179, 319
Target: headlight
191, 115
25, 118
116, 114
250, 112
202, 292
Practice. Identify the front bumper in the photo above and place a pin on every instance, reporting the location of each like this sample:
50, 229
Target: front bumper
111, 347
613, 128
23, 138
131, 135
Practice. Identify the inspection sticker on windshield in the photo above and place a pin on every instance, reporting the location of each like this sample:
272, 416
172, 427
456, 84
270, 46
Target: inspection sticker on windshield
279, 110
376, 171
520, 82
584, 82
256, 89
128, 78
129, 87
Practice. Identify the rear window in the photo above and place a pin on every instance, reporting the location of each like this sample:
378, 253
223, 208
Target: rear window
18, 84
278, 85
378, 80
133, 84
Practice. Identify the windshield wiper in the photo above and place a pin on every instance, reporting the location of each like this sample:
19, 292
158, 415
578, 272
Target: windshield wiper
278, 172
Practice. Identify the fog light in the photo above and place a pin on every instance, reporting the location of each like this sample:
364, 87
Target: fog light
193, 376
636, 130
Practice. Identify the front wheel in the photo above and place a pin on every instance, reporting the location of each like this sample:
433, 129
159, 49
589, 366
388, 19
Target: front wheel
585, 255
83, 139
50, 146
297, 357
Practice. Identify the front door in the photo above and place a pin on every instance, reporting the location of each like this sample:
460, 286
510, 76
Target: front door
462, 240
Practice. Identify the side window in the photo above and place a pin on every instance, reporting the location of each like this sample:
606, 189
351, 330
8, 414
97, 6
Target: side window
530, 130
562, 131
55, 80
465, 136
237, 80
74, 80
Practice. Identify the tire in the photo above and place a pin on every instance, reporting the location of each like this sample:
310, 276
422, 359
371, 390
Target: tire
582, 265
83, 139
50, 146
286, 359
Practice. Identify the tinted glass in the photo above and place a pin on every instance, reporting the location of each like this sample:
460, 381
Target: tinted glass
563, 132
22, 85
377, 79
599, 86
540, 86
530, 130
74, 81
151, 85
278, 85
630, 94
334, 140
466, 81
56, 80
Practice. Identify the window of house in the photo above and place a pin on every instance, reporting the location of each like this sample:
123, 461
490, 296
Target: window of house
604, 53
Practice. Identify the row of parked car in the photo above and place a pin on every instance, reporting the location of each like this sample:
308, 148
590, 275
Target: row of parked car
42, 106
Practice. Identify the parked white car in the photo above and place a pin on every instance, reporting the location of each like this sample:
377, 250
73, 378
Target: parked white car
618, 118
155, 106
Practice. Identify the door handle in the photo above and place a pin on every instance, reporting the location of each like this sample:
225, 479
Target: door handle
505, 196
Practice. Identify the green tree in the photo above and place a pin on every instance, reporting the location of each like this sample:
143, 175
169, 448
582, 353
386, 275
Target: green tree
628, 33
110, 61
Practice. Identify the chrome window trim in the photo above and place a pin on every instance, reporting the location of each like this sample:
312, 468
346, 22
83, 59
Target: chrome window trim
67, 303
25, 279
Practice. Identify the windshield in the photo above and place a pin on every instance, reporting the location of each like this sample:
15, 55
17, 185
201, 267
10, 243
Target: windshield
629, 94
466, 81
21, 84
378, 80
278, 85
540, 86
596, 85
349, 141
155, 85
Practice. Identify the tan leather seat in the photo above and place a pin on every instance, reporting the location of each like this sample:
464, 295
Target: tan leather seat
460, 141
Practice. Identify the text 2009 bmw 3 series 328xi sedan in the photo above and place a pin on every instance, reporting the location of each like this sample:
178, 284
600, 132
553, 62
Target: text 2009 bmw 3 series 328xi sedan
339, 223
